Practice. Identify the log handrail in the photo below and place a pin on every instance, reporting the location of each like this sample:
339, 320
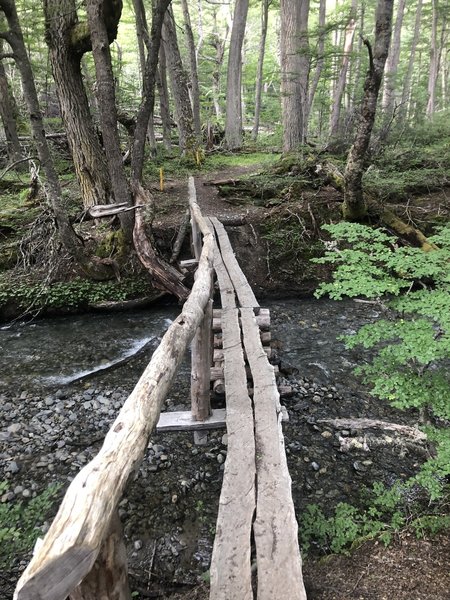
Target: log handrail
73, 542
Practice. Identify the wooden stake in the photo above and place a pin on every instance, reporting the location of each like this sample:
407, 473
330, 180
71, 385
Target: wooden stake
201, 368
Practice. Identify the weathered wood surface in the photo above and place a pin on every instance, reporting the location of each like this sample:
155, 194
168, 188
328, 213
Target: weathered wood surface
218, 353
183, 421
108, 210
218, 372
406, 430
201, 355
72, 544
227, 293
243, 289
278, 557
230, 565
263, 320
109, 577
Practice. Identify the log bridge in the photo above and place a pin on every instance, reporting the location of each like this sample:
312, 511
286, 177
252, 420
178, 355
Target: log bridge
256, 553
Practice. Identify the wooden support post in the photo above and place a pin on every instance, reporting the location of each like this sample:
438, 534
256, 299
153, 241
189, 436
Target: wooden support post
108, 578
201, 367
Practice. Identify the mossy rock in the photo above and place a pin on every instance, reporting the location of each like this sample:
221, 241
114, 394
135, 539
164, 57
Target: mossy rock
112, 244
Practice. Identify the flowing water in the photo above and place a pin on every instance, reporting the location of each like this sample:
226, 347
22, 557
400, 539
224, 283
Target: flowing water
55, 352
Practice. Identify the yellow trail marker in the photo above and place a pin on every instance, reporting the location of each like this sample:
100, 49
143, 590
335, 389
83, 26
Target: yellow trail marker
161, 179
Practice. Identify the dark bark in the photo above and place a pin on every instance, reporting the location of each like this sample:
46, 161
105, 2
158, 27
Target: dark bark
354, 207
233, 117
148, 96
8, 117
193, 72
259, 70
108, 113
294, 50
91, 265
163, 93
179, 85
65, 56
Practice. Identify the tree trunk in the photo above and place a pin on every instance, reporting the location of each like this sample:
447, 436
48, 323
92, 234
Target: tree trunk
179, 85
95, 268
294, 71
354, 207
340, 85
233, 116
259, 70
392, 63
141, 33
434, 61
108, 113
148, 97
164, 105
412, 57
320, 54
193, 71
65, 37
218, 42
7, 115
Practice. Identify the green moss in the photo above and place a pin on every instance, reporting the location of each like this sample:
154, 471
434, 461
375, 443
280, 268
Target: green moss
112, 244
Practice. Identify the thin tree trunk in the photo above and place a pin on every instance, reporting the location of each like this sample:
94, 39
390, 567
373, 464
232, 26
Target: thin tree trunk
148, 97
294, 71
194, 86
434, 61
179, 85
340, 85
392, 63
259, 70
354, 206
164, 105
218, 42
358, 68
320, 54
233, 116
70, 240
7, 114
108, 112
141, 34
406, 93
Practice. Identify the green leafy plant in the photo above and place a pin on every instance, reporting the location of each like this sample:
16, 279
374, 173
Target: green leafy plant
410, 351
20, 522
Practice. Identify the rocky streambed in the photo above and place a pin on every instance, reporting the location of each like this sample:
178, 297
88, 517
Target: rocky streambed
51, 426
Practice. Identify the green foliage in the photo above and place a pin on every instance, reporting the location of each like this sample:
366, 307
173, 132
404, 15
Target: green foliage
20, 522
387, 513
411, 348
72, 294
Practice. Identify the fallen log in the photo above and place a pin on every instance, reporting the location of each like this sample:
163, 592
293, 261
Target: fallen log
407, 430
108, 210
166, 276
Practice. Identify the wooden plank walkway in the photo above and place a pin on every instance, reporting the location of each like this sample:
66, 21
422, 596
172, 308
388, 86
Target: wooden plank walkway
256, 493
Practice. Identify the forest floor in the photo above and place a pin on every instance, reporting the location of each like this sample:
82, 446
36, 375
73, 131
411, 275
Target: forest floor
409, 568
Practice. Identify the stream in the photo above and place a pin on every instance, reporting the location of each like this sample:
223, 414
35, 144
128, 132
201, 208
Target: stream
64, 379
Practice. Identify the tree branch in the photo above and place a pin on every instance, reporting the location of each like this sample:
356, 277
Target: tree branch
369, 50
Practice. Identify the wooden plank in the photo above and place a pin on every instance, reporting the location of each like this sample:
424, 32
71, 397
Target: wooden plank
230, 565
218, 353
243, 289
183, 421
279, 565
72, 544
227, 293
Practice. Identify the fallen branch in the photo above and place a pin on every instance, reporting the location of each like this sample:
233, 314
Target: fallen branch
412, 432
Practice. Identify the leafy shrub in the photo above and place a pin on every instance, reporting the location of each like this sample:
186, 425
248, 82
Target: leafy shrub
411, 351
